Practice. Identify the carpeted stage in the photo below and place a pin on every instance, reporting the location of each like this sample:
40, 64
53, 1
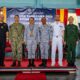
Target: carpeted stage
24, 63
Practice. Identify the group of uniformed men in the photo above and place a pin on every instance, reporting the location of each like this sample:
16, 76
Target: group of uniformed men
45, 35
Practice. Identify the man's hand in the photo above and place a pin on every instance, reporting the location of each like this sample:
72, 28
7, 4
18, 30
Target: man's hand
23, 42
38, 43
50, 42
7, 39
76, 42
64, 42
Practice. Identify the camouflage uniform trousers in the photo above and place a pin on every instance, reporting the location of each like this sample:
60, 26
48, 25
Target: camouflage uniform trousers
17, 50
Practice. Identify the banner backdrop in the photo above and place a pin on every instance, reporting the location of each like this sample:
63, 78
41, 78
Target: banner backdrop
25, 13
37, 13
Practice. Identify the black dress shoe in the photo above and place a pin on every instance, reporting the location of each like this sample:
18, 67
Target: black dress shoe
71, 64
14, 64
19, 64
43, 63
29, 65
2, 65
33, 65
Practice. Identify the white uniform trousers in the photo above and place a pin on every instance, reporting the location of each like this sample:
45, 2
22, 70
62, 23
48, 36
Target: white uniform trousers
57, 43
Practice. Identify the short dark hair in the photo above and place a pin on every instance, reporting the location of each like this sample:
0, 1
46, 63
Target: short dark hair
31, 17
43, 18
17, 16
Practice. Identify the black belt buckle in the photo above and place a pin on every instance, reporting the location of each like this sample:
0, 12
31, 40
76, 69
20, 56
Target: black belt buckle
57, 36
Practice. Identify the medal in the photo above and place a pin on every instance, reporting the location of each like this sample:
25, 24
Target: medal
31, 30
31, 33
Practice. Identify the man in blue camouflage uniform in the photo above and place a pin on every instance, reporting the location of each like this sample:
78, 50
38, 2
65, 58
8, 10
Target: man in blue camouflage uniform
31, 40
45, 39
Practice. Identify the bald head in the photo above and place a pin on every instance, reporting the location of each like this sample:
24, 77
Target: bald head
71, 19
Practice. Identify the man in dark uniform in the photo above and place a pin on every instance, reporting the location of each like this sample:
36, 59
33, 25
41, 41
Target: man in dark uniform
71, 39
3, 38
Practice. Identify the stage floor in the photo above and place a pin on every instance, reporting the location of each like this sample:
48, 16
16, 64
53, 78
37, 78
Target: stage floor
36, 69
50, 76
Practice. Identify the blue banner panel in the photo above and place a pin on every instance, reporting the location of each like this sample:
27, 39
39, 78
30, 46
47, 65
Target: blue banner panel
26, 13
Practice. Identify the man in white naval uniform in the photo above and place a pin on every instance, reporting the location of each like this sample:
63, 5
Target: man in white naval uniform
57, 40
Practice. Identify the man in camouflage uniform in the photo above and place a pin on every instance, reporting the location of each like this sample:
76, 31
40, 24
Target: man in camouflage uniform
16, 33
71, 39
45, 39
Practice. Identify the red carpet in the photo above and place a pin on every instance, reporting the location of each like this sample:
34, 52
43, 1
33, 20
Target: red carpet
24, 63
26, 76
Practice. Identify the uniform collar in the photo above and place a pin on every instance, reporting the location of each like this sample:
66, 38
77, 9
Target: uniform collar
70, 24
44, 25
31, 25
57, 22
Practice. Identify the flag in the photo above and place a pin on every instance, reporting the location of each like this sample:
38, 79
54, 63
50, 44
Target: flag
63, 15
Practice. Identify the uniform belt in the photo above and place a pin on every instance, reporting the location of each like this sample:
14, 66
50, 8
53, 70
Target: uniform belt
56, 36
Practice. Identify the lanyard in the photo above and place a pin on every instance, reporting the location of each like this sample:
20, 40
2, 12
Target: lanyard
31, 28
